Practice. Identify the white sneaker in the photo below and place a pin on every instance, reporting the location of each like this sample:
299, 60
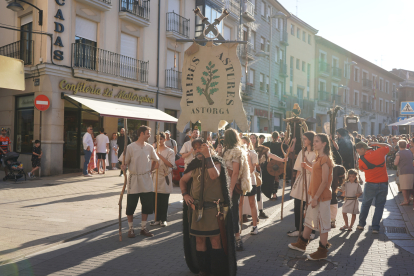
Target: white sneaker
312, 236
293, 233
254, 231
163, 223
29, 174
154, 223
87, 175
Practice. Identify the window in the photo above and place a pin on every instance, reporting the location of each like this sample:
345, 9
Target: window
387, 107
380, 105
356, 74
282, 88
26, 43
268, 46
356, 98
269, 10
381, 84
277, 53
262, 9
281, 55
277, 23
276, 88
85, 47
261, 82
387, 87
346, 96
393, 87
253, 39
298, 33
309, 39
347, 71
251, 77
303, 66
297, 64
24, 118
374, 82
292, 29
211, 14
227, 32
322, 86
267, 84
262, 43
334, 89
304, 36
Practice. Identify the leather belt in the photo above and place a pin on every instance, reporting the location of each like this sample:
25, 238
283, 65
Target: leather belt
206, 204
351, 198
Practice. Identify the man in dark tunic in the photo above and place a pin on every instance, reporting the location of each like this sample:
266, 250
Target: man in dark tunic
220, 259
346, 148
121, 145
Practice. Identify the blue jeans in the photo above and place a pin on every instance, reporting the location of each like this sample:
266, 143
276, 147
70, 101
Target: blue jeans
88, 155
378, 191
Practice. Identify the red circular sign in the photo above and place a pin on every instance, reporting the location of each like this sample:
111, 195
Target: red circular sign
42, 102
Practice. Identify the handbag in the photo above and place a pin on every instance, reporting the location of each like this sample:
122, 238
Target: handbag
258, 178
237, 188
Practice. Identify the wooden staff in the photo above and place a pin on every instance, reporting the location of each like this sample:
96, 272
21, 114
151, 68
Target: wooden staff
156, 173
284, 171
304, 186
125, 180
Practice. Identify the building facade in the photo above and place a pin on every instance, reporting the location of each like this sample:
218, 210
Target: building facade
405, 93
301, 63
357, 85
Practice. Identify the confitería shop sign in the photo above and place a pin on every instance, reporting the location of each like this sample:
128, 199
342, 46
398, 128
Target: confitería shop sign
82, 87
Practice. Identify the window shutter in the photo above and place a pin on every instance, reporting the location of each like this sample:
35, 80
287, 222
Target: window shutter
86, 29
26, 19
129, 46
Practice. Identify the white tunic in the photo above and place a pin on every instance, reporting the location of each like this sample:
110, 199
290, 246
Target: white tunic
139, 160
255, 161
164, 171
297, 186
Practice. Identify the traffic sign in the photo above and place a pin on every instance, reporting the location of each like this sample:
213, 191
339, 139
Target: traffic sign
42, 103
407, 108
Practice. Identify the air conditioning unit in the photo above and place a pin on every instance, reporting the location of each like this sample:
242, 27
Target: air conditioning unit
282, 104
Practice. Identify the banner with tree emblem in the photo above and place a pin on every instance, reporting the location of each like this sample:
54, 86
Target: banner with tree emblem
211, 87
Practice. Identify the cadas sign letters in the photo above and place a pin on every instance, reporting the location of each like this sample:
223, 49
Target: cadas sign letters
211, 87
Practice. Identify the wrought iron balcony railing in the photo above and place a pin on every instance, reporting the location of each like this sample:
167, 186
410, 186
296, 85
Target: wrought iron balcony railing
137, 7
336, 72
324, 96
177, 23
22, 49
89, 57
172, 79
366, 83
246, 50
284, 38
323, 67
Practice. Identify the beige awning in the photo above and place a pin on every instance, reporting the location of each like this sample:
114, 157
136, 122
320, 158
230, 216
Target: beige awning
11, 73
124, 110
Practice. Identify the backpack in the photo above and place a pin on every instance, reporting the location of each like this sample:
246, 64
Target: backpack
371, 166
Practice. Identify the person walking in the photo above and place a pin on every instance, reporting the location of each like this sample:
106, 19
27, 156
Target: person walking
165, 185
318, 215
404, 161
87, 150
102, 148
169, 142
297, 189
36, 158
92, 161
138, 158
114, 150
372, 162
121, 146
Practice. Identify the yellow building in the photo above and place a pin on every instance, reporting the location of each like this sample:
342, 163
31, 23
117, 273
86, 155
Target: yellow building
300, 59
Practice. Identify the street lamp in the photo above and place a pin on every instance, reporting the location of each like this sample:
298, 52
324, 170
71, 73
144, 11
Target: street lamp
278, 14
15, 6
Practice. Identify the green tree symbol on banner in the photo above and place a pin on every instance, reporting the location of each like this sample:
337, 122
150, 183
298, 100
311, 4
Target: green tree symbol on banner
209, 83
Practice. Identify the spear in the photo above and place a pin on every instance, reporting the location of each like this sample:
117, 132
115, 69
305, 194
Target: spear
156, 173
284, 170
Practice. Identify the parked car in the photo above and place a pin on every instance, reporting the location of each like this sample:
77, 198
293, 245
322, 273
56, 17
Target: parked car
178, 170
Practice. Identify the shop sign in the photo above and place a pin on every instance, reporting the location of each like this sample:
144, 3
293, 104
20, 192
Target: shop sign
59, 28
211, 79
83, 87
261, 113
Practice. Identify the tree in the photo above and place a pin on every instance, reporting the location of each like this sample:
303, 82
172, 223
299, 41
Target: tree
209, 83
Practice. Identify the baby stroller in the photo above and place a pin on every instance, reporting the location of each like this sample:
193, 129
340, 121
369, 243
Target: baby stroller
15, 167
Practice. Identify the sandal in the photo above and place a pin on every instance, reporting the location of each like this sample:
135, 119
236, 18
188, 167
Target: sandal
349, 228
404, 203
345, 227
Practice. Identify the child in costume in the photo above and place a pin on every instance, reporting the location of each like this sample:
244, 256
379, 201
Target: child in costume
351, 191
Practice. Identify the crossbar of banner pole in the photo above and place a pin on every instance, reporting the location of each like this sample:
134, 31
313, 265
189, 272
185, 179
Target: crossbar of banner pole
215, 41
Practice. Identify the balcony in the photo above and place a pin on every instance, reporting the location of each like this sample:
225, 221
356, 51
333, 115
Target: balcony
366, 85
103, 5
22, 50
135, 11
323, 68
248, 11
92, 58
233, 6
324, 96
336, 73
366, 106
284, 38
283, 70
173, 79
247, 92
337, 98
178, 27
246, 51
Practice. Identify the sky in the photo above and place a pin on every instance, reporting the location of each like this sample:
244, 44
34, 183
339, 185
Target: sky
380, 31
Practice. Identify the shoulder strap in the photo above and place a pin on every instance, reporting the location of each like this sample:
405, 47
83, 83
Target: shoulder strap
370, 166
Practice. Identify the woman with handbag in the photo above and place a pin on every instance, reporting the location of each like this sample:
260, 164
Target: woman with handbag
251, 196
297, 191
236, 160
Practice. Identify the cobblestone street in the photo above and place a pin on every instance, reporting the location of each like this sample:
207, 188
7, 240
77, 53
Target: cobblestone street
100, 252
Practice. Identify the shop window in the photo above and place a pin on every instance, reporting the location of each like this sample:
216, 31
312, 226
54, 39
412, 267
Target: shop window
24, 122
171, 127
133, 126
